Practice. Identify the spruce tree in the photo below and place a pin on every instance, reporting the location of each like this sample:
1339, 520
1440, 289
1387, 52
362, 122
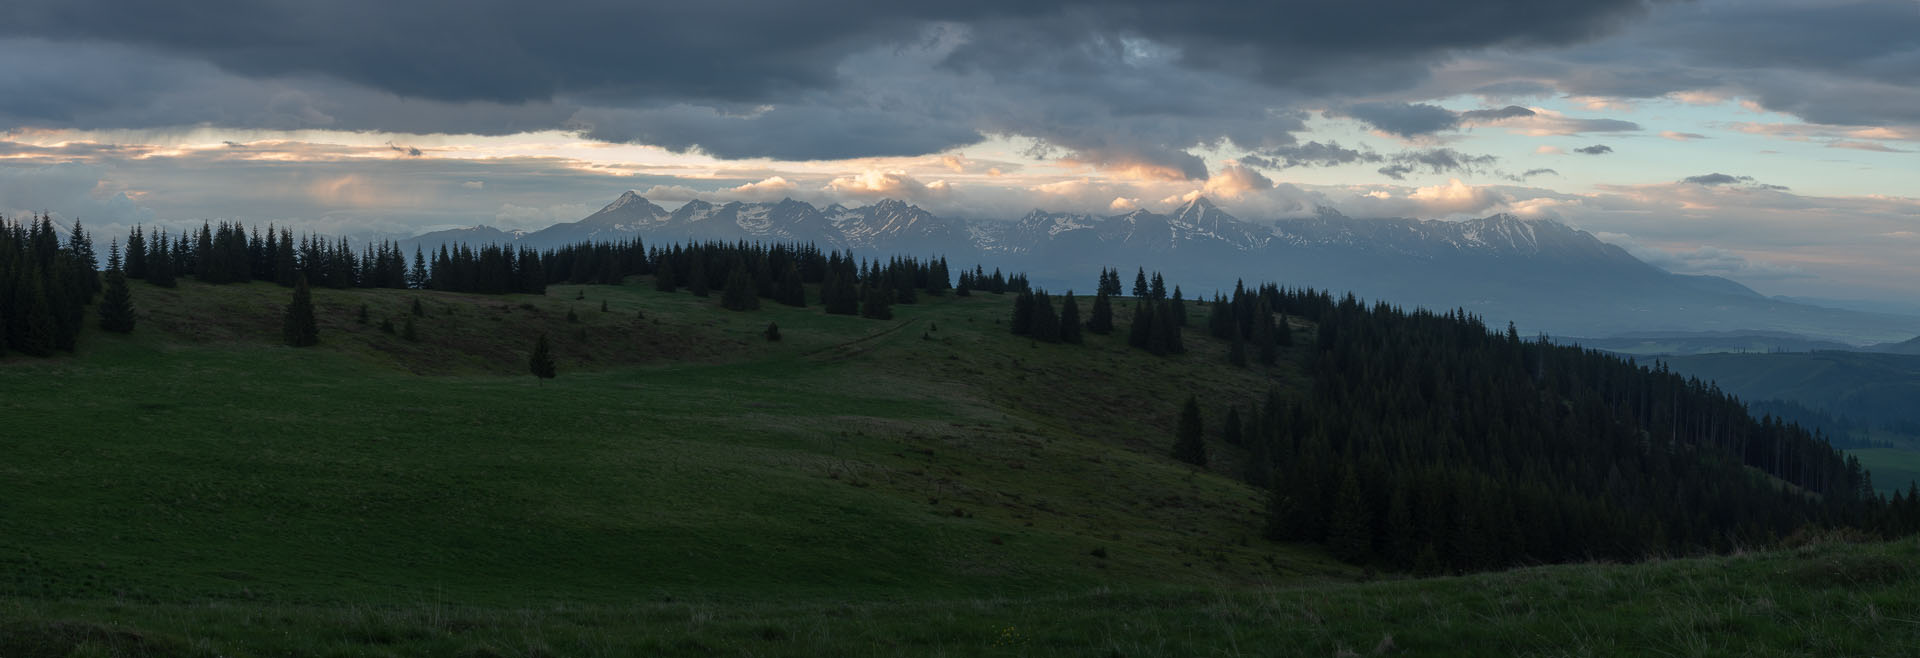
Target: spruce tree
1140, 331
879, 304
1350, 534
136, 267
1022, 323
739, 294
1263, 340
540, 363
116, 307
1070, 320
772, 332
160, 270
417, 277
418, 310
408, 332
663, 277
1189, 443
299, 328
1140, 284
1259, 469
1230, 430
360, 317
38, 337
1237, 351
697, 277
1400, 548
792, 291
1100, 321
1046, 324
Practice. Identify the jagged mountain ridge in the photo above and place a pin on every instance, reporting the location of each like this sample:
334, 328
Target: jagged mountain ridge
891, 224
1541, 273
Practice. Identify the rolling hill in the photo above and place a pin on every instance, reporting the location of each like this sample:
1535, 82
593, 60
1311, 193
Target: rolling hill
925, 484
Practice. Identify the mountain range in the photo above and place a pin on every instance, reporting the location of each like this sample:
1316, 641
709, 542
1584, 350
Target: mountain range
1542, 274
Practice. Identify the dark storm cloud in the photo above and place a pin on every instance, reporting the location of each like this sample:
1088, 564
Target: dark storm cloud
1717, 179
1596, 149
1508, 112
1437, 161
506, 51
1310, 154
1415, 119
1061, 72
791, 132
1846, 62
1403, 119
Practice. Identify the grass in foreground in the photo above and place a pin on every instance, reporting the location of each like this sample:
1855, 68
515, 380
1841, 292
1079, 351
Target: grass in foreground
1824, 600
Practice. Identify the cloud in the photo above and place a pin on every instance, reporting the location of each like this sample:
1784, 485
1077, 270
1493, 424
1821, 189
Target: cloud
1416, 119
1596, 149
1719, 179
1456, 197
1436, 161
772, 188
522, 52
1705, 260
68, 192
1310, 154
1403, 119
1864, 146
1680, 136
474, 185
1839, 63
409, 151
875, 184
663, 193
1548, 123
1132, 85
1235, 180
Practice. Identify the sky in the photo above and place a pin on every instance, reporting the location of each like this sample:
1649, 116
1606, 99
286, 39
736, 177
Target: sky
1769, 141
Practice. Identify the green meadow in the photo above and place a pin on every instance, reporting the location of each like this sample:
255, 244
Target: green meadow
925, 485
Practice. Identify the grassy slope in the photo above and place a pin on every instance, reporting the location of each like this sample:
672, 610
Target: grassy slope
928, 483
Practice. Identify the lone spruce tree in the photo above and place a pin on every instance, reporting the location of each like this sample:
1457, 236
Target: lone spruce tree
1189, 445
1070, 321
299, 329
541, 361
1101, 319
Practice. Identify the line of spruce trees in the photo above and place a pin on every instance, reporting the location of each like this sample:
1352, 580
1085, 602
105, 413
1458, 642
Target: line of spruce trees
45, 286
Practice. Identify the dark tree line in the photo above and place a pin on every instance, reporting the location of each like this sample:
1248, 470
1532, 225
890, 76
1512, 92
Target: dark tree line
1246, 321
1430, 443
745, 273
